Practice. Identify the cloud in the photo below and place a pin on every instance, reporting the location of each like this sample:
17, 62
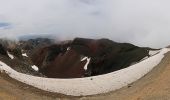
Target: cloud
144, 22
88, 2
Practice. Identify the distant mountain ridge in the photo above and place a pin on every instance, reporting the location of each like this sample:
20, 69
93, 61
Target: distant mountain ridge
80, 57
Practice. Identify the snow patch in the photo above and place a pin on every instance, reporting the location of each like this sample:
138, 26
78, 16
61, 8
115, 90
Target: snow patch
24, 54
35, 68
68, 48
87, 63
89, 85
10, 55
84, 58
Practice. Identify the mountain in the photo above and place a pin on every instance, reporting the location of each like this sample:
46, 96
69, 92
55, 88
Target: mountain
80, 57
83, 57
150, 71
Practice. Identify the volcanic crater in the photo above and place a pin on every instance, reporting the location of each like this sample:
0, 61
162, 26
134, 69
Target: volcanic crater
84, 57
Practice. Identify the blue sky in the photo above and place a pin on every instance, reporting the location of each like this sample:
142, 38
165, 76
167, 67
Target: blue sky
4, 25
141, 22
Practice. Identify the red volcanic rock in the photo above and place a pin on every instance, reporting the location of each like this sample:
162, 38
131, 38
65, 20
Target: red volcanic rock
57, 61
66, 65
64, 60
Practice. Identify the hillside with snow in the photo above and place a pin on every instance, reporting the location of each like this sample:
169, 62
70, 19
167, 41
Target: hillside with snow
91, 85
32, 74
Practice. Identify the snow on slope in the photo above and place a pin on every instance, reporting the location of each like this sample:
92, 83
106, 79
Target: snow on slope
68, 48
144, 58
35, 68
87, 63
24, 54
153, 52
90, 85
10, 56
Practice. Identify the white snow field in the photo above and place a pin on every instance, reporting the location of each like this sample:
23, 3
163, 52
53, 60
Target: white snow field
90, 85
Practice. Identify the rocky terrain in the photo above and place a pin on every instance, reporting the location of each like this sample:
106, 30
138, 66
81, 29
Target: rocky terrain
79, 58
147, 88
76, 58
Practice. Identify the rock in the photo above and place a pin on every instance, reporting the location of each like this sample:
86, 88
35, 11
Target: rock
3, 50
106, 56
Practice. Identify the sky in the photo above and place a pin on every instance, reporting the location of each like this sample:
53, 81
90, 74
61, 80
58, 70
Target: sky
141, 22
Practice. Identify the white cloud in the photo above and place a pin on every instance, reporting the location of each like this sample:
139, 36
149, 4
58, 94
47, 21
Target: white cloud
144, 22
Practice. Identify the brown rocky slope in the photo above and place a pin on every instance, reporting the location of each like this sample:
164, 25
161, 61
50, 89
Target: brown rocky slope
153, 86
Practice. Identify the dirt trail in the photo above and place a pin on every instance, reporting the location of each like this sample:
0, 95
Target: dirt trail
14, 91
154, 86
